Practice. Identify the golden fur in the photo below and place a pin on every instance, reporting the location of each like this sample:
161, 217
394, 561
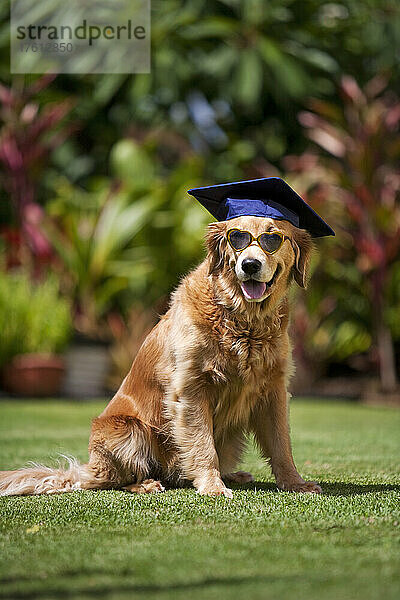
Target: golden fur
215, 367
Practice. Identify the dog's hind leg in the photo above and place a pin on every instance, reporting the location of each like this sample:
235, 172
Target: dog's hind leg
238, 477
230, 449
148, 486
123, 454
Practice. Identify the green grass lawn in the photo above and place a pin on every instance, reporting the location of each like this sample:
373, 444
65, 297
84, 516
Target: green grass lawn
262, 544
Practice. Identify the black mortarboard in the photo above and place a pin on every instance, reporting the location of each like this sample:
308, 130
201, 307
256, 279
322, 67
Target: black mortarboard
268, 197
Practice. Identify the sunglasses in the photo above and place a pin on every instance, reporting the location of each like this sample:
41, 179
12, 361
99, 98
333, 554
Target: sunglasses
268, 242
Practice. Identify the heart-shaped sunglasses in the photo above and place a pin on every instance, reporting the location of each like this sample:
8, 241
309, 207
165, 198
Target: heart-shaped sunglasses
268, 242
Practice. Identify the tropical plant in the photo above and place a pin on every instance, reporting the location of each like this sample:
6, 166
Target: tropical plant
27, 136
33, 316
360, 157
228, 75
125, 240
91, 233
228, 79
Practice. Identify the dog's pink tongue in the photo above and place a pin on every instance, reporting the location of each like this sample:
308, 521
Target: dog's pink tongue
254, 289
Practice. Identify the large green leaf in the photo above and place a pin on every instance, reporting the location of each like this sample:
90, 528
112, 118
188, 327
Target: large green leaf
249, 77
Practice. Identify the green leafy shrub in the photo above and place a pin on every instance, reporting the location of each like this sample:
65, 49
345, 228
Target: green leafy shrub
125, 240
33, 316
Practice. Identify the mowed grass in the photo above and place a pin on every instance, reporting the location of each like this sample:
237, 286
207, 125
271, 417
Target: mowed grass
262, 544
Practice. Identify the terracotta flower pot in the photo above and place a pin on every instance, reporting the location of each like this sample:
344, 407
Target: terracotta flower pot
34, 375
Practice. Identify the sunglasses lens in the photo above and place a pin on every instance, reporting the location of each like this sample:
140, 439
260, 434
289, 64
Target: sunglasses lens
270, 242
239, 239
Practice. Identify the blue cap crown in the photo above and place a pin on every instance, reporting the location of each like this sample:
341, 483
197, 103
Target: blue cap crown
268, 197
242, 207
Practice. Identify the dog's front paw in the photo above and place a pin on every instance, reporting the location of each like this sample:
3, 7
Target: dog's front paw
304, 487
214, 489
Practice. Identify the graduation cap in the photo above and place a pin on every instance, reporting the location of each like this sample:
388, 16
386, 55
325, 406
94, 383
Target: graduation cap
268, 197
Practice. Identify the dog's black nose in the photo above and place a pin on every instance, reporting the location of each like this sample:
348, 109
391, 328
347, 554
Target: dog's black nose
251, 265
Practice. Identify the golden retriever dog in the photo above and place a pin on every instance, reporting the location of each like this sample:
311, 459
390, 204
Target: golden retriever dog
214, 368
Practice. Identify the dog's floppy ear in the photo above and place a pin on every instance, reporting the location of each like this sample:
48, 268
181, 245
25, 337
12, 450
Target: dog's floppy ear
216, 244
302, 246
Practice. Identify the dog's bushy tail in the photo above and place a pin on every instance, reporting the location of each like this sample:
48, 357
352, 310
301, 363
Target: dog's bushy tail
38, 479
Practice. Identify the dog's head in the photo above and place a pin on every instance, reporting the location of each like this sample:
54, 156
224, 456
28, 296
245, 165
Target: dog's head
255, 274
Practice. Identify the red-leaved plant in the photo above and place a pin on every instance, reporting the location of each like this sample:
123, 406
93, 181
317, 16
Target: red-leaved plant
28, 134
361, 151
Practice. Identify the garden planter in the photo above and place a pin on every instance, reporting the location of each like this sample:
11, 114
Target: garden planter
87, 367
34, 375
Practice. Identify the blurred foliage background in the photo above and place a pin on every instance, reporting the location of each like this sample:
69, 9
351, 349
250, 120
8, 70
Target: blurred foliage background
94, 169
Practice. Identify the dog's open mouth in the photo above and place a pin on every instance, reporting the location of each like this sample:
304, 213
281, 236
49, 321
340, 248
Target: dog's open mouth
254, 290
